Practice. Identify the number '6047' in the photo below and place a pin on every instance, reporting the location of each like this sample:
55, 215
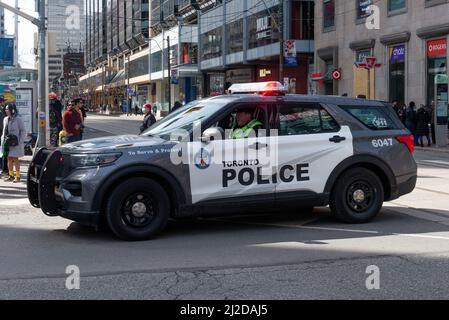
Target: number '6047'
382, 143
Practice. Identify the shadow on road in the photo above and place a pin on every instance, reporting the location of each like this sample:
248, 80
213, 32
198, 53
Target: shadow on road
306, 227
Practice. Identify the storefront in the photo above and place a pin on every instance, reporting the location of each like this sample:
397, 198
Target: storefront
397, 76
436, 64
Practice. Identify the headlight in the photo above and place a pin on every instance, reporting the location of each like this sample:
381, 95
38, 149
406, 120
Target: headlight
94, 160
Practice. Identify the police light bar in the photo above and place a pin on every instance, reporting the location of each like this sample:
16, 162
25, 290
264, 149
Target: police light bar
263, 88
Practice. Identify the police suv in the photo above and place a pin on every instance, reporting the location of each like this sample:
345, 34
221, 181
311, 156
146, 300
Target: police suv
309, 151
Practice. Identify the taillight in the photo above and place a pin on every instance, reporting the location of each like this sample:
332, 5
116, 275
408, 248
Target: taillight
408, 140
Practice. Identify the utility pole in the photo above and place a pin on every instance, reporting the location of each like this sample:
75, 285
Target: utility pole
16, 33
281, 40
42, 97
169, 73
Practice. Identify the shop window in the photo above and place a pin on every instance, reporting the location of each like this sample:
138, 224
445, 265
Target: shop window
436, 64
396, 57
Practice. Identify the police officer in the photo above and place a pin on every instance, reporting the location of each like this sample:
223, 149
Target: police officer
246, 125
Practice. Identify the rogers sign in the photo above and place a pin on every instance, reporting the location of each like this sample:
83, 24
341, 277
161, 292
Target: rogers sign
437, 48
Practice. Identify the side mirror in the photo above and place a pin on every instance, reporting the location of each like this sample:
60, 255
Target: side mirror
212, 134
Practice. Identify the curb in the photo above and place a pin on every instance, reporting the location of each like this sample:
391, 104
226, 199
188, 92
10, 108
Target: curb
437, 150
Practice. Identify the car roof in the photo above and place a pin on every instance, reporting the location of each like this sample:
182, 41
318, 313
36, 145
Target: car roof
346, 101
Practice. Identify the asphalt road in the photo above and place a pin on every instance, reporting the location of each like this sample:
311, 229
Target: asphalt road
283, 256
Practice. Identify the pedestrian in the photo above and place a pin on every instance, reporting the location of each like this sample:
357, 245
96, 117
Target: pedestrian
396, 107
55, 115
402, 112
410, 119
155, 109
72, 122
149, 119
432, 122
13, 142
3, 157
422, 126
176, 106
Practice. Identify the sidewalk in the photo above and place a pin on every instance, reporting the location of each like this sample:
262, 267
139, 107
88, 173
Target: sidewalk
121, 116
434, 149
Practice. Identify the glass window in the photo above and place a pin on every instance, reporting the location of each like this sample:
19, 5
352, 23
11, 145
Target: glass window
212, 43
397, 56
372, 117
363, 8
300, 120
263, 30
329, 14
394, 5
234, 32
185, 118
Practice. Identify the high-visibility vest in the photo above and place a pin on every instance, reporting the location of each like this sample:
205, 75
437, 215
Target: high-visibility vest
245, 132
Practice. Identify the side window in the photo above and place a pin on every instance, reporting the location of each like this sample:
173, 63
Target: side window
300, 120
372, 117
243, 115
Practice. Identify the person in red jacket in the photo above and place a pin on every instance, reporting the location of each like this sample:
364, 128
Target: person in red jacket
72, 122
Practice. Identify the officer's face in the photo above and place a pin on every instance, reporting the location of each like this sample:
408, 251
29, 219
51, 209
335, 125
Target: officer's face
243, 118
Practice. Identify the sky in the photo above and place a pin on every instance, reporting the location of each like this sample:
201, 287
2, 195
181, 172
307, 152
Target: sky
26, 31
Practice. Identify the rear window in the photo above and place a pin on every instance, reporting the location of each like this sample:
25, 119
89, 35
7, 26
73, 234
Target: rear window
373, 117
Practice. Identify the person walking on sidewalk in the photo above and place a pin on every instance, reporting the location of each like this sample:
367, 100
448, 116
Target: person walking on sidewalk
3, 157
13, 141
149, 120
72, 123
410, 119
422, 126
55, 114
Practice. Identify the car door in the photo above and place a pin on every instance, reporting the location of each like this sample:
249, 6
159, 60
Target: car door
310, 145
232, 169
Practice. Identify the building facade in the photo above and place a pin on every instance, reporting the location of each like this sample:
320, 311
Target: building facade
65, 33
408, 38
116, 34
240, 42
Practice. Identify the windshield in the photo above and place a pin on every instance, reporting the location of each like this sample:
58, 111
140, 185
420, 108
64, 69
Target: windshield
184, 118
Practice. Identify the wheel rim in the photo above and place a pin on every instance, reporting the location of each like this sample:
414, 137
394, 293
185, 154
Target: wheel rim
360, 196
138, 210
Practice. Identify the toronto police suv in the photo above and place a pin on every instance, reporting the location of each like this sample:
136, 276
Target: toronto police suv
310, 151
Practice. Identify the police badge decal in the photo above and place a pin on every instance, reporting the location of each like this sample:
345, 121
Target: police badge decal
203, 159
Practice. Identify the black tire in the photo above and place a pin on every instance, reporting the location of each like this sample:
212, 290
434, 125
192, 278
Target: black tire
357, 196
138, 209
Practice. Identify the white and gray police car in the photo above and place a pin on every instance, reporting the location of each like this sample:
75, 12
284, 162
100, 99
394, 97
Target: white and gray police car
307, 151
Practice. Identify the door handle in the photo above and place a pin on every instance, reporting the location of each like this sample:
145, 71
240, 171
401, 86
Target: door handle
258, 146
337, 139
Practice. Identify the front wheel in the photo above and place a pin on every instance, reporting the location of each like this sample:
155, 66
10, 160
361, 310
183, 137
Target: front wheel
138, 209
357, 196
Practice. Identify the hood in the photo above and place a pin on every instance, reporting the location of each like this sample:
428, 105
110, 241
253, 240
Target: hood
115, 143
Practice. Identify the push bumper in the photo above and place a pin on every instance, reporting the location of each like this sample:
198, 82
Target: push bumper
45, 189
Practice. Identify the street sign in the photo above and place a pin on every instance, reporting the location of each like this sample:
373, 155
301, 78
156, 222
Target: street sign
336, 74
369, 63
290, 58
317, 76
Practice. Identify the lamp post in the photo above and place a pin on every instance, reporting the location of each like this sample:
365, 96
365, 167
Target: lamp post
42, 32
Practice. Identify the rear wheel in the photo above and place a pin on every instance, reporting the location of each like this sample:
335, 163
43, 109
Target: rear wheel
138, 209
357, 197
